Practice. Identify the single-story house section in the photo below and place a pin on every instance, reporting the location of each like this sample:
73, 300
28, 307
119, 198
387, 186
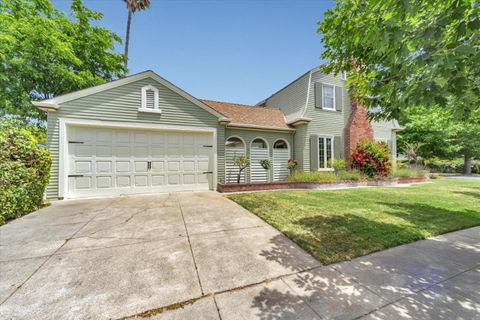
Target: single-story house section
143, 134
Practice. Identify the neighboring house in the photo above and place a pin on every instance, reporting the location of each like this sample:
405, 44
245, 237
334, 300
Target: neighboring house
143, 134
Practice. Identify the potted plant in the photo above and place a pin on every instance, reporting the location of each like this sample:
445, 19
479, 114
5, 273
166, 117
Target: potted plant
292, 165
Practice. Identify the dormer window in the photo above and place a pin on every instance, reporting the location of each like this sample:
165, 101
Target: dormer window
149, 100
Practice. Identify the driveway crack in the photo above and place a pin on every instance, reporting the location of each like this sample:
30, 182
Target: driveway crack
190, 245
52, 254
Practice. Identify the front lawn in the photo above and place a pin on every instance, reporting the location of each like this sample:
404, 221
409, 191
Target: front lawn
338, 225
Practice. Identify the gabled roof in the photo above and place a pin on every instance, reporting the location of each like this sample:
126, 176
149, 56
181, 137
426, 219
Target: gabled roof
54, 103
250, 116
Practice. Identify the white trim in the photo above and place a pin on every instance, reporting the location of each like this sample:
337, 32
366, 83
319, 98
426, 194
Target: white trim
63, 143
308, 93
120, 82
149, 110
323, 97
332, 156
144, 106
241, 125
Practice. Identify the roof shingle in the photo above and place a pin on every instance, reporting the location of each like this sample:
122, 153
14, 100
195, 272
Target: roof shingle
249, 115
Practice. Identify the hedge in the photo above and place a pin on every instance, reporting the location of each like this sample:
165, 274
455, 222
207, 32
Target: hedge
24, 170
450, 166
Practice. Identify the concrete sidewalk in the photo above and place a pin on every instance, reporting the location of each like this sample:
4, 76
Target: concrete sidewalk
438, 278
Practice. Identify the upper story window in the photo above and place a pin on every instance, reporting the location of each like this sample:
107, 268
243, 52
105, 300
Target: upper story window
149, 99
343, 75
328, 97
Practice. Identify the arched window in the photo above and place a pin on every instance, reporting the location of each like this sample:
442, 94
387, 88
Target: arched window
234, 142
259, 144
280, 144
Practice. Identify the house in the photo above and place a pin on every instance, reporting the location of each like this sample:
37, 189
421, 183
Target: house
143, 134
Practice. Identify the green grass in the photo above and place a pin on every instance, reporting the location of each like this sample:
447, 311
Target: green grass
338, 225
408, 173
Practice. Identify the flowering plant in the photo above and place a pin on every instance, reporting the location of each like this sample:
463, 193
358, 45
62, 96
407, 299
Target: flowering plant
372, 158
292, 165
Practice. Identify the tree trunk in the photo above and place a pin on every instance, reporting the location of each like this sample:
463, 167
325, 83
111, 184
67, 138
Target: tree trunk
127, 37
239, 175
467, 164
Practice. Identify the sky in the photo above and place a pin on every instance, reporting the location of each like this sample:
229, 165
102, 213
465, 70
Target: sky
235, 51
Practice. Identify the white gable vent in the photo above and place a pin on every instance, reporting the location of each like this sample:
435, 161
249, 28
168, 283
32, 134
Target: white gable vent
149, 100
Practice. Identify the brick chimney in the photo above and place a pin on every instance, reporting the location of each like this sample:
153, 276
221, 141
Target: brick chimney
357, 129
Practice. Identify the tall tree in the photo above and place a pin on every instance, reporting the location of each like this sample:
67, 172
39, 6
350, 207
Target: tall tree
132, 7
43, 53
408, 54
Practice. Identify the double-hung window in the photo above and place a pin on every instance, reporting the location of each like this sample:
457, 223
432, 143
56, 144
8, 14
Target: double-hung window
328, 97
325, 153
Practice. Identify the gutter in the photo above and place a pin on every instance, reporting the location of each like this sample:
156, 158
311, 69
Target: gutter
46, 106
256, 127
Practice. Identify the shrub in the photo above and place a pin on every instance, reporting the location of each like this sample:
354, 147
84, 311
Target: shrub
352, 175
450, 166
302, 176
372, 158
339, 164
410, 173
24, 170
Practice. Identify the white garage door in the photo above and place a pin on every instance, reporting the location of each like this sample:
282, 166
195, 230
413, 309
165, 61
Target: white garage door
117, 161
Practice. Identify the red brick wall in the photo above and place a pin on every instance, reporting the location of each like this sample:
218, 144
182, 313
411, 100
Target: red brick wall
358, 128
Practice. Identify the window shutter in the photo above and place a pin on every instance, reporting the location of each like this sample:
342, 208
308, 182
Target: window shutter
318, 95
314, 153
338, 147
150, 99
338, 98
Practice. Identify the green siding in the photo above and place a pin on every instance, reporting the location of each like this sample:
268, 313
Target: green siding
121, 104
249, 135
291, 99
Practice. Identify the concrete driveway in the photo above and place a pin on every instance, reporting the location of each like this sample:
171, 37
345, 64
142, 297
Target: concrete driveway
200, 256
116, 257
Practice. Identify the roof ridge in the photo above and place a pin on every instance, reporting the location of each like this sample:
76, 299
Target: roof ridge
233, 103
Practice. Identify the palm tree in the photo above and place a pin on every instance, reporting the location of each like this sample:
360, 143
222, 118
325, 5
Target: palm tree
133, 6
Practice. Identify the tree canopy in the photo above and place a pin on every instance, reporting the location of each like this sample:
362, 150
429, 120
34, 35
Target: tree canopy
43, 53
400, 54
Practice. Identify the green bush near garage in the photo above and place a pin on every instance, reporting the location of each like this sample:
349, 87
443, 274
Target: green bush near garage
450, 166
24, 169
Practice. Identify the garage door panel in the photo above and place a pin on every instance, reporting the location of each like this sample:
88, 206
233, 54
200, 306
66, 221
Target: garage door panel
103, 151
104, 182
123, 137
123, 151
140, 137
173, 165
173, 179
82, 182
116, 161
141, 181
158, 166
122, 166
104, 136
202, 178
189, 165
104, 167
123, 182
157, 151
158, 180
141, 166
83, 166
189, 178
141, 152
